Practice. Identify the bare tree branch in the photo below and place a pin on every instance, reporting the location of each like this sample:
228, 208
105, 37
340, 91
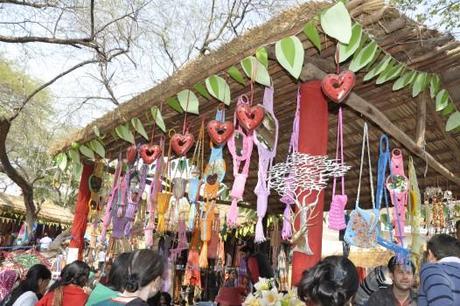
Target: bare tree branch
36, 91
30, 4
49, 40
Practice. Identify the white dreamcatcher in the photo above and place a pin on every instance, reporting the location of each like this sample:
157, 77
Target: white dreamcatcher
297, 179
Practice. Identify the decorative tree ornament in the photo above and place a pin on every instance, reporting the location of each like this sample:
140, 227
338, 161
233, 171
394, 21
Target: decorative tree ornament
220, 132
131, 154
338, 87
149, 153
182, 143
249, 117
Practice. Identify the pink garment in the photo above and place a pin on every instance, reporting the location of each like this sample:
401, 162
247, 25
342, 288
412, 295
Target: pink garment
7, 280
339, 201
239, 182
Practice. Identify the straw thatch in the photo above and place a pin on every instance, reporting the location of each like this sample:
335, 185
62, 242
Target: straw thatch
49, 212
419, 47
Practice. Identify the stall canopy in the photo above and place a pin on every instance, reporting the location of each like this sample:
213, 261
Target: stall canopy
412, 123
11, 205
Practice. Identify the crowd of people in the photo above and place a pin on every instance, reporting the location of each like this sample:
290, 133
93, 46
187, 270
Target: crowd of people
136, 279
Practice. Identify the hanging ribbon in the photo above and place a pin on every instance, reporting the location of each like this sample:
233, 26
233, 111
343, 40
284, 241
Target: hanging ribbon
194, 183
207, 218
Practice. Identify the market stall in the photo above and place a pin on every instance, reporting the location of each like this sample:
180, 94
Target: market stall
316, 106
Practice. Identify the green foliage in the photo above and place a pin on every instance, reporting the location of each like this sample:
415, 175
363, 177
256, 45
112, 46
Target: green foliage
336, 23
290, 54
347, 50
312, 34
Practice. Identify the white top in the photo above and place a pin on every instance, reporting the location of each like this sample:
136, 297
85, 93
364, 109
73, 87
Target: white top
45, 243
101, 256
28, 298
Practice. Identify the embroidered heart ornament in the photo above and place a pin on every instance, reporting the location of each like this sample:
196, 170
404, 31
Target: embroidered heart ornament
220, 132
131, 154
338, 87
149, 153
250, 117
181, 144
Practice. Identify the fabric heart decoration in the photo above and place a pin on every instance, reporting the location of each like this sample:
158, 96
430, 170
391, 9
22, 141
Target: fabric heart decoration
131, 154
220, 132
250, 117
181, 143
149, 153
338, 87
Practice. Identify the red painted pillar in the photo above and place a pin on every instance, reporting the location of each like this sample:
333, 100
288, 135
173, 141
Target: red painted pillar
80, 218
313, 133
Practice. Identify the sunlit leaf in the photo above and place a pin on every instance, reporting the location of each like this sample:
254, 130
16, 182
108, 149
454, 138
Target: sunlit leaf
290, 54
61, 161
378, 69
188, 101
404, 80
125, 133
420, 83
364, 56
96, 131
392, 72
435, 85
74, 155
174, 104
312, 34
262, 56
139, 127
97, 147
453, 122
347, 50
255, 70
218, 88
236, 75
158, 118
442, 100
202, 90
86, 151
336, 23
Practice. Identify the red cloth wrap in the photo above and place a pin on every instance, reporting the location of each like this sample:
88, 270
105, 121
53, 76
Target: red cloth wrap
313, 133
80, 218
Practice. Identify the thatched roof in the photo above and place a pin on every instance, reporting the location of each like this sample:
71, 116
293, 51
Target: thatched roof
49, 212
418, 47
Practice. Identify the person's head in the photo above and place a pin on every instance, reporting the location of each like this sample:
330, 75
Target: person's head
401, 273
332, 282
118, 272
165, 299
145, 270
36, 280
441, 246
457, 229
76, 273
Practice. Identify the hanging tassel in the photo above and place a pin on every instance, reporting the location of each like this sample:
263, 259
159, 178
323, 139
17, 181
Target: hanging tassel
191, 216
286, 232
260, 237
204, 255
232, 213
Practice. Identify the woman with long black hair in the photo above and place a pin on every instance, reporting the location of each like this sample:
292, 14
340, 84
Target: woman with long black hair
31, 288
68, 290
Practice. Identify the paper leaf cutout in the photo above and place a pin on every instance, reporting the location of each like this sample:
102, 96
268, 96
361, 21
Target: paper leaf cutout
139, 127
442, 100
202, 90
236, 75
77, 169
124, 133
218, 88
450, 108
255, 70
392, 72
188, 101
364, 57
97, 147
336, 23
174, 104
453, 122
262, 56
435, 85
96, 131
404, 80
347, 50
378, 69
61, 161
74, 155
420, 83
290, 54
158, 118
86, 151
312, 34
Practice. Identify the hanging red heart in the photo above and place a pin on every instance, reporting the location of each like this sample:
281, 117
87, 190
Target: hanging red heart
131, 154
149, 153
182, 143
220, 132
338, 87
250, 117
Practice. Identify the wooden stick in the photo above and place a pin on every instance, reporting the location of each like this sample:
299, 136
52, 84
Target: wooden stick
420, 127
362, 106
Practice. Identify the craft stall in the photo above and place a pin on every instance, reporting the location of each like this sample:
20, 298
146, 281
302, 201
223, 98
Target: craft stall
338, 118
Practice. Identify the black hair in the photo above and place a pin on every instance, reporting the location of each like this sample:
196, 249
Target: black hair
394, 261
332, 282
167, 297
144, 267
443, 245
30, 283
118, 273
76, 273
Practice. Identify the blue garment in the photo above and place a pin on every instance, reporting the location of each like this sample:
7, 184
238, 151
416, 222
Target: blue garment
440, 284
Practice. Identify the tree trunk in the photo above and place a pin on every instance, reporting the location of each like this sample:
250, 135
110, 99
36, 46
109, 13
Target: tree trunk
13, 174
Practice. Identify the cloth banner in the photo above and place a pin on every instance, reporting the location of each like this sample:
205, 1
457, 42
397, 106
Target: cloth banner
80, 218
313, 133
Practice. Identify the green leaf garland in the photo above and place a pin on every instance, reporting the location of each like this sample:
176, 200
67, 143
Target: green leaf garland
435, 85
139, 127
86, 151
420, 83
255, 70
378, 69
125, 133
347, 50
262, 56
442, 100
218, 88
61, 161
236, 75
97, 147
290, 54
174, 104
391, 73
202, 90
364, 57
404, 80
188, 101
336, 23
312, 34
158, 118
453, 122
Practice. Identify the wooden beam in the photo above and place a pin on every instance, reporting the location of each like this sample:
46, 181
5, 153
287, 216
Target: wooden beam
310, 72
420, 126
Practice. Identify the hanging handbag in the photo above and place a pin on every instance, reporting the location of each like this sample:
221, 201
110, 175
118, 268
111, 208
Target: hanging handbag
339, 201
361, 229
